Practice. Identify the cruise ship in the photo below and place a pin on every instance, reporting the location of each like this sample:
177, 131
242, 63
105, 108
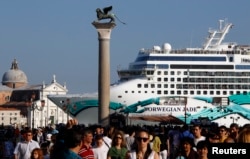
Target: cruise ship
211, 83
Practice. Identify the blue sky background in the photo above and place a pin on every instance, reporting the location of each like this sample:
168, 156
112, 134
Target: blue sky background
50, 37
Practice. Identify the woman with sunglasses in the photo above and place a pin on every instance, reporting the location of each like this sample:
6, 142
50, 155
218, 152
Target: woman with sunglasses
118, 148
142, 149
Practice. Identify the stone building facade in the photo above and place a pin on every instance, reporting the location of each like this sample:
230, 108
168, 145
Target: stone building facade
11, 116
29, 102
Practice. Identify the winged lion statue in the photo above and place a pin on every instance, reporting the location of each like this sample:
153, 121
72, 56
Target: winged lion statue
104, 14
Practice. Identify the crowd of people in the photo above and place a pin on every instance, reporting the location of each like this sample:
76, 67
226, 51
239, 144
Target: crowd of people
74, 141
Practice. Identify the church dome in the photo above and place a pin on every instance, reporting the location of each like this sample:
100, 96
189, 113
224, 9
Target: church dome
14, 78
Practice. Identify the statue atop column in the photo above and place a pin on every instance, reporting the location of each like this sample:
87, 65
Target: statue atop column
104, 14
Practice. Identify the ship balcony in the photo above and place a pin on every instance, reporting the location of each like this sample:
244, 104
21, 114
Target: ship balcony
132, 73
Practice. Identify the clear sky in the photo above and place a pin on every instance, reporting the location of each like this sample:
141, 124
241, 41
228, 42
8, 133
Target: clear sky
50, 37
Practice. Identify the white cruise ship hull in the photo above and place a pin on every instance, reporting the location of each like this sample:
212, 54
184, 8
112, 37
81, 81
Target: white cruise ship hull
209, 84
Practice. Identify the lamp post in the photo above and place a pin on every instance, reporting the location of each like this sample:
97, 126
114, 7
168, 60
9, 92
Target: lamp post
67, 109
185, 110
42, 106
126, 113
235, 119
10, 121
185, 113
34, 107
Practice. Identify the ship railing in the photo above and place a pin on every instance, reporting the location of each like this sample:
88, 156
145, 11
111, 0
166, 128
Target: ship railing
197, 51
137, 69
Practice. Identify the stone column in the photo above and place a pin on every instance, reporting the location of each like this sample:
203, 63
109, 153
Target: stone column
104, 32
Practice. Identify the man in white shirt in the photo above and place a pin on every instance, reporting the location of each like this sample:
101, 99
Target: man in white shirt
100, 149
101, 131
24, 148
197, 134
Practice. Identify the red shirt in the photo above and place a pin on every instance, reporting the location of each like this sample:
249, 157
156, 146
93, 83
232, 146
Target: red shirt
86, 153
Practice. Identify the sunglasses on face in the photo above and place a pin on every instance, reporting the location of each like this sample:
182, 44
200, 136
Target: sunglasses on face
144, 139
118, 137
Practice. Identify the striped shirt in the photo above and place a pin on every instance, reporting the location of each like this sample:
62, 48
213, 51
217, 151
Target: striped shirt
86, 152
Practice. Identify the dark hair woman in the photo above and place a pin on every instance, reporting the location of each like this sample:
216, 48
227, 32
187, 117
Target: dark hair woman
142, 149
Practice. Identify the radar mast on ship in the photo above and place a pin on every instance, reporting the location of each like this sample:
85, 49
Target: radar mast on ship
215, 37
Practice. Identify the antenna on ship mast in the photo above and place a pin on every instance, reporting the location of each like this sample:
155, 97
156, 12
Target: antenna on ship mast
221, 22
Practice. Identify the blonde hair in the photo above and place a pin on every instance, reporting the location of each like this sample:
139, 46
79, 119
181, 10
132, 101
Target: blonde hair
244, 136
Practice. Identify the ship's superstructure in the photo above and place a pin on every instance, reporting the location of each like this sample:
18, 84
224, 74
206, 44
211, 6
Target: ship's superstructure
197, 81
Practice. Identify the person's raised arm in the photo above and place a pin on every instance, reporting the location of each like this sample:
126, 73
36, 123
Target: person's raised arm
71, 123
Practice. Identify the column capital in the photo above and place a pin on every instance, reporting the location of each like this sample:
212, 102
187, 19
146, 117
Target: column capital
104, 25
104, 29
